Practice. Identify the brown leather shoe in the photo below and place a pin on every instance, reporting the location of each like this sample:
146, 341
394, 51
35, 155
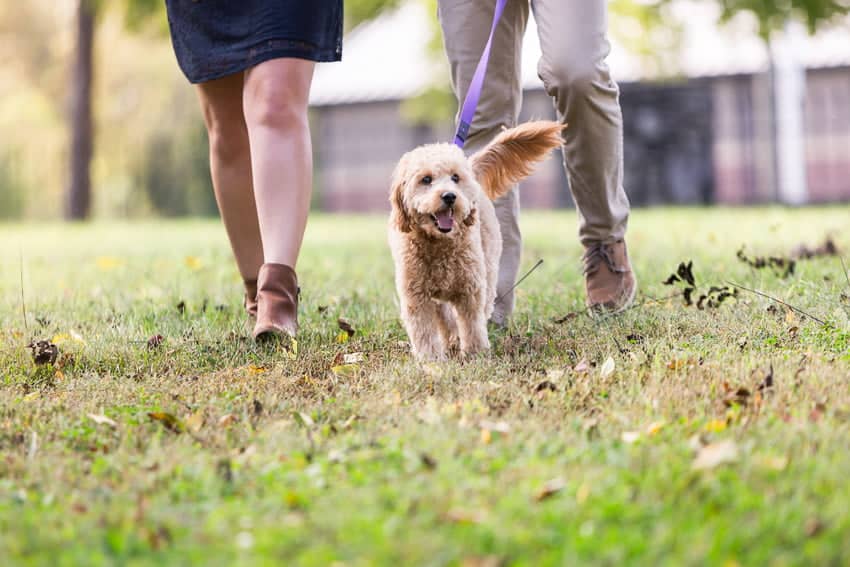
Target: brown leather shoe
250, 302
608, 277
277, 302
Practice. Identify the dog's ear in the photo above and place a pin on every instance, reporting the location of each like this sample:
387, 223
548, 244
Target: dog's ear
471, 217
511, 156
399, 215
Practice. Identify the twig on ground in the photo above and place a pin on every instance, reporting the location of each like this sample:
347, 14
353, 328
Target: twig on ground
23, 300
587, 310
777, 300
522, 279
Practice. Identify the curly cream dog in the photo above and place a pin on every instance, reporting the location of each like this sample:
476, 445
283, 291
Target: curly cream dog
445, 237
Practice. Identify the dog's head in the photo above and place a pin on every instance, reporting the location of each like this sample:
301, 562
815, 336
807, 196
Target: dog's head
434, 191
435, 188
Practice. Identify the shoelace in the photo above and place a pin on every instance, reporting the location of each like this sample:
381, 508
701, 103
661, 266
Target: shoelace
595, 255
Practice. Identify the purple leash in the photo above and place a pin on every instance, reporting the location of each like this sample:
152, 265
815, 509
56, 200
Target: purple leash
474, 93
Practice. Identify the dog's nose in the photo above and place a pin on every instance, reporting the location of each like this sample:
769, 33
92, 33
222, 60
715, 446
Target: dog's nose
449, 198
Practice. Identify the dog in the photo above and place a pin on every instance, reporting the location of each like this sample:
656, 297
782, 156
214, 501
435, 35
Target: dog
445, 238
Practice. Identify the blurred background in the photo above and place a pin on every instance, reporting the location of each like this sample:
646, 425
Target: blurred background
724, 102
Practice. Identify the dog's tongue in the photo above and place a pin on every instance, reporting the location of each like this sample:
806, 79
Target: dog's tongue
445, 219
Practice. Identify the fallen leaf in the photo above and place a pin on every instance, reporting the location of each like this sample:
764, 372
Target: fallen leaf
736, 396
195, 421
608, 368
155, 341
814, 526
227, 420
767, 382
346, 327
169, 421
43, 352
352, 358
715, 425
428, 461
544, 387
303, 419
630, 436
102, 420
550, 488
716, 454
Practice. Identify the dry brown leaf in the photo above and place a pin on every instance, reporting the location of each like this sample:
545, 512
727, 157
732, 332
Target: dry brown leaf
227, 420
169, 421
716, 454
346, 327
550, 488
43, 352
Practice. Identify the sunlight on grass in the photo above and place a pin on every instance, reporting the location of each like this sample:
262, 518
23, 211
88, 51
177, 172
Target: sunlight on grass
669, 435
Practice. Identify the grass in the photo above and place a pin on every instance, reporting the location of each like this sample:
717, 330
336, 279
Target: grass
540, 454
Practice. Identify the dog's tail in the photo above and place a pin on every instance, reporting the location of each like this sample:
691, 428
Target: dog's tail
512, 155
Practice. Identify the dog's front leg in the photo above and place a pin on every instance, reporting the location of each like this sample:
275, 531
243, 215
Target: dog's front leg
472, 325
422, 322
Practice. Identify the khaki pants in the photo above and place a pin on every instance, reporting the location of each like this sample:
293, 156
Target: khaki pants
573, 42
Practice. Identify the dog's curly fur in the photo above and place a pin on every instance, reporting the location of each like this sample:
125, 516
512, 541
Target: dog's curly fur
446, 250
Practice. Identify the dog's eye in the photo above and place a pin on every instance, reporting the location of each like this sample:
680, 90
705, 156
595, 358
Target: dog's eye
456, 178
427, 180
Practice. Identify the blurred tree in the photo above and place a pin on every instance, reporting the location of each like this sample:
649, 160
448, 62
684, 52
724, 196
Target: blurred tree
137, 12
82, 134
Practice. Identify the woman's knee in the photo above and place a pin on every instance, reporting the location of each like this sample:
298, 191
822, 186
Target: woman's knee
275, 100
228, 137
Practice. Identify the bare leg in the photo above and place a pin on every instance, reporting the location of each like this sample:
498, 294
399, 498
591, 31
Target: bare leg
275, 104
230, 168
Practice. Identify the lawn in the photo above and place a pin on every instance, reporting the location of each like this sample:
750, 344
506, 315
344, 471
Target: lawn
670, 435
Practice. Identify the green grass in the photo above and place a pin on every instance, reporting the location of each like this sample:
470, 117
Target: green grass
282, 461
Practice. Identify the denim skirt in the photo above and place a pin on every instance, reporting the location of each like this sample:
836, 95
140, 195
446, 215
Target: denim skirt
216, 38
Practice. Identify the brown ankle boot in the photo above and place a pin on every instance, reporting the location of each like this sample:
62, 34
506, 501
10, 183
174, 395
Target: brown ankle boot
277, 302
608, 276
250, 302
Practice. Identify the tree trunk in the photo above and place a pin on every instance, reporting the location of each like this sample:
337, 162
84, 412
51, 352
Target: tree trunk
79, 190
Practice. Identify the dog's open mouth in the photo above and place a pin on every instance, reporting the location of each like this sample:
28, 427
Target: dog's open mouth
445, 220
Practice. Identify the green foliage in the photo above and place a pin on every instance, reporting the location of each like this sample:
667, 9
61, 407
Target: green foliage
12, 196
175, 172
359, 11
772, 15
